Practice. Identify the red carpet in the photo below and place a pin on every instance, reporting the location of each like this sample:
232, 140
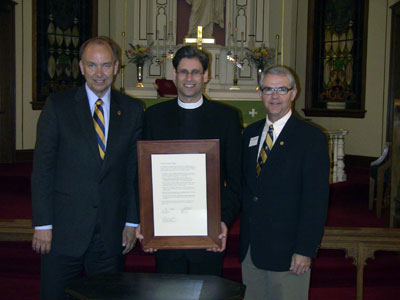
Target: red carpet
333, 276
348, 205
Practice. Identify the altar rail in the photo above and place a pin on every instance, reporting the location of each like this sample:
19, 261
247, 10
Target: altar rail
359, 243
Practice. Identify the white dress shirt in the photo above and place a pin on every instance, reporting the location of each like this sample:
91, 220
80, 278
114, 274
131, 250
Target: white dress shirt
278, 126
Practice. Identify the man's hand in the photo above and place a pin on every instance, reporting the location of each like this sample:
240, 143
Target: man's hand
128, 238
223, 236
141, 237
300, 264
41, 242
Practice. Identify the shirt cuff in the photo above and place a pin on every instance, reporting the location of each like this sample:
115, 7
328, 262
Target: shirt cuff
131, 224
44, 227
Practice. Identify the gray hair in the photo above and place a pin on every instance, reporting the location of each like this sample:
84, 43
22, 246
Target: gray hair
281, 71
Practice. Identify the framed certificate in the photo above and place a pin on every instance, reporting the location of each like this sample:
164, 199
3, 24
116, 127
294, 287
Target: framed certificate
179, 194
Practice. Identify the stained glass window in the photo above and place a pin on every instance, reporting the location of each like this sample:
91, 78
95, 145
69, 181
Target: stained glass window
336, 67
61, 28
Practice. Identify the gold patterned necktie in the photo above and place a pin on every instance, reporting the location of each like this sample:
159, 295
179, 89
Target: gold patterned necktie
265, 149
99, 126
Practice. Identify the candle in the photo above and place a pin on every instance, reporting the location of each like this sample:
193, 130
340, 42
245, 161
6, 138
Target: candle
165, 41
157, 44
241, 45
123, 34
276, 49
235, 40
229, 36
169, 36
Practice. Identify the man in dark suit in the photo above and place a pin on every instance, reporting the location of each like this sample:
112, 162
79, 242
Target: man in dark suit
193, 116
285, 194
84, 192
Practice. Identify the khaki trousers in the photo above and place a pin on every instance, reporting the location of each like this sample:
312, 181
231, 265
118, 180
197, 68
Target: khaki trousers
269, 285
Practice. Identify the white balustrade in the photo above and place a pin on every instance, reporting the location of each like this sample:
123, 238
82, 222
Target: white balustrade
336, 151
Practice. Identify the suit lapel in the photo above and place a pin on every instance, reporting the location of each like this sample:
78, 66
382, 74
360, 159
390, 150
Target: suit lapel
82, 111
281, 143
287, 130
114, 128
253, 150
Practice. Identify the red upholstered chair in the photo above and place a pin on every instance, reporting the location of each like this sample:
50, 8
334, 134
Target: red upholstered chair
166, 88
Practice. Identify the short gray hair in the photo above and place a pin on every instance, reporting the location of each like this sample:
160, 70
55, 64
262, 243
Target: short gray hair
278, 70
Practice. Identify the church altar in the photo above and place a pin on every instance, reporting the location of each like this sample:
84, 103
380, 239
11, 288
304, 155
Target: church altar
242, 27
220, 78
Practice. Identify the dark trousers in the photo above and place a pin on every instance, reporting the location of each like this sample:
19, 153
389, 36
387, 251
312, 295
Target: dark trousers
58, 271
209, 264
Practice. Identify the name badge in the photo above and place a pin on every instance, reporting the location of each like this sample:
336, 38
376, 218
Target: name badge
253, 141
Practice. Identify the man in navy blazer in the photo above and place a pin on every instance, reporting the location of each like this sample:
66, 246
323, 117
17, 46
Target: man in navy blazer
285, 194
193, 116
84, 206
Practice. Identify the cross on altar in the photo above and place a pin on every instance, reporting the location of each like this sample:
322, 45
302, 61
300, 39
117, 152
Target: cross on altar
199, 40
253, 113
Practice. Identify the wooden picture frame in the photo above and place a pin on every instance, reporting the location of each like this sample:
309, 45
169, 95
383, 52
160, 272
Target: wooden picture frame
336, 58
59, 28
211, 150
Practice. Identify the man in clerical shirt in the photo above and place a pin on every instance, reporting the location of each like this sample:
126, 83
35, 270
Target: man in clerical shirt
192, 116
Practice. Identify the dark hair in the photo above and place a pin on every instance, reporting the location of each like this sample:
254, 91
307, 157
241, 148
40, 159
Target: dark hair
279, 70
99, 40
191, 52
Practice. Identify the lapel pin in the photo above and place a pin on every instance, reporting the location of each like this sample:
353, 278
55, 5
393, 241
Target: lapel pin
282, 143
119, 113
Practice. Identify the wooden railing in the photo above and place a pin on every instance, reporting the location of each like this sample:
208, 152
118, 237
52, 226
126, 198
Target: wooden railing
16, 230
359, 243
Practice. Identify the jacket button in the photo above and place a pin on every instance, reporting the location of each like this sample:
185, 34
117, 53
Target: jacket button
255, 198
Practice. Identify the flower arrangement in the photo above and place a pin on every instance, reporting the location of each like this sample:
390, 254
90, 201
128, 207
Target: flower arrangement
262, 57
138, 55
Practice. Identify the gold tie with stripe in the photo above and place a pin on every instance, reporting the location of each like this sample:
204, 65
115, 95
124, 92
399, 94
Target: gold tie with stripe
99, 126
265, 149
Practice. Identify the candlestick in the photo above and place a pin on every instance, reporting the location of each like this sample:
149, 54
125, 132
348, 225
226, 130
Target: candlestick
235, 86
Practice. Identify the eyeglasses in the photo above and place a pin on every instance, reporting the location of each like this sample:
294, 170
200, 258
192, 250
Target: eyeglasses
280, 90
185, 73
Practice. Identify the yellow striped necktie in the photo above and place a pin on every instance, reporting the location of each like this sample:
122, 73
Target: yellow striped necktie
99, 126
265, 149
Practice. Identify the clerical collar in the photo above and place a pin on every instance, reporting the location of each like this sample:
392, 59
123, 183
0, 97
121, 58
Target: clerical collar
194, 105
